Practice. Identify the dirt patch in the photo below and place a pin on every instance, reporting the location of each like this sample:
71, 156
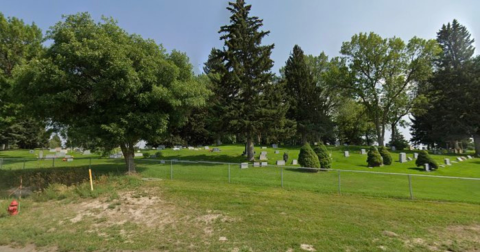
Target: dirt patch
145, 210
27, 248
307, 247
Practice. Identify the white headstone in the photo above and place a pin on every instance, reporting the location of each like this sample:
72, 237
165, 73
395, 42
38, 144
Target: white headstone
280, 162
40, 154
263, 157
64, 151
459, 159
363, 151
294, 162
58, 149
207, 148
447, 161
52, 150
469, 157
415, 155
243, 165
162, 161
217, 150
394, 148
346, 154
87, 152
274, 146
191, 148
264, 164
256, 164
264, 148
49, 156
409, 158
69, 159
60, 154
277, 152
427, 167
176, 148
402, 157
138, 155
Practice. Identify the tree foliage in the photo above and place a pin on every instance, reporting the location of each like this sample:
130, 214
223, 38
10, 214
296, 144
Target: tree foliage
323, 155
117, 87
386, 156
374, 158
424, 158
308, 158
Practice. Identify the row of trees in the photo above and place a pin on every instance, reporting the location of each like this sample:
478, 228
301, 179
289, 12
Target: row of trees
100, 86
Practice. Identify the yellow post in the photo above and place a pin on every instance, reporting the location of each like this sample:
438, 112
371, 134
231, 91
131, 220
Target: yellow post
91, 182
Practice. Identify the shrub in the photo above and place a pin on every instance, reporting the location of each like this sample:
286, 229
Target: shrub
387, 158
374, 159
146, 155
308, 158
158, 154
323, 156
424, 158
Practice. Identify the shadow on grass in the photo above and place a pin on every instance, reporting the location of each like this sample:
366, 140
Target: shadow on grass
303, 170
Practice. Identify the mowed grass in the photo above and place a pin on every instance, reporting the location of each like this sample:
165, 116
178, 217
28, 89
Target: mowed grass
352, 173
205, 216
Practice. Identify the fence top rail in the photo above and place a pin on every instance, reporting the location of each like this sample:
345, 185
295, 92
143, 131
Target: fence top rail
272, 166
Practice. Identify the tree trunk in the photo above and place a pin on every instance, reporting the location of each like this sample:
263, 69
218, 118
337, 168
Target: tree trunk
476, 141
129, 155
379, 133
250, 155
304, 138
366, 138
394, 131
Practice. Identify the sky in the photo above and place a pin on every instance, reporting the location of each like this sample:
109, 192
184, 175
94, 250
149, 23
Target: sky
192, 26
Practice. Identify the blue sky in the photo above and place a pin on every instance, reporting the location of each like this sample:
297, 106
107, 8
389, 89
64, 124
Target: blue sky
192, 26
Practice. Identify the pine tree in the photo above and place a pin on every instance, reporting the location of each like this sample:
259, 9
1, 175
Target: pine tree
246, 79
307, 158
387, 158
306, 105
374, 159
424, 158
323, 156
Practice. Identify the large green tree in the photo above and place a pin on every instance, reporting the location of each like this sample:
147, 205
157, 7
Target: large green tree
19, 44
247, 94
384, 71
121, 88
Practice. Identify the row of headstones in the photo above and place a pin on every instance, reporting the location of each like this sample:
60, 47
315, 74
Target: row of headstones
263, 155
264, 164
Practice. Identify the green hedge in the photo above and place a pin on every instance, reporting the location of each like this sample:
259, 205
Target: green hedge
308, 158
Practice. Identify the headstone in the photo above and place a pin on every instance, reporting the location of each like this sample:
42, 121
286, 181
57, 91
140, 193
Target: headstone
402, 157
274, 146
69, 159
409, 158
162, 161
263, 156
176, 148
415, 155
277, 152
427, 167
264, 164
52, 150
337, 143
218, 150
263, 153
464, 158
363, 151
207, 148
346, 154
459, 159
394, 148
49, 156
280, 162
40, 154
190, 147
161, 147
294, 162
32, 152
58, 149
243, 165
264, 147
447, 161
469, 157
256, 164
116, 155
64, 151
60, 154
138, 155
87, 152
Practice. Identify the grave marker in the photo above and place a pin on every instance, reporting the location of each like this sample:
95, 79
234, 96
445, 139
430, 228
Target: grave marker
40, 154
280, 162
274, 146
346, 154
415, 155
256, 164
294, 162
363, 151
402, 157
277, 152
243, 165
447, 161
264, 164
218, 150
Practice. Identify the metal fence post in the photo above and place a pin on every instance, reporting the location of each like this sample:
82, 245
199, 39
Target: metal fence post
229, 173
339, 183
171, 169
282, 176
410, 186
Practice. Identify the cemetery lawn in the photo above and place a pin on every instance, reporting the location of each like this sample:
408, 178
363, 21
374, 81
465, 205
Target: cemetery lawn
127, 213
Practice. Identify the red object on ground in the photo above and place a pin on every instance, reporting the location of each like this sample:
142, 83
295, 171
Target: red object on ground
13, 208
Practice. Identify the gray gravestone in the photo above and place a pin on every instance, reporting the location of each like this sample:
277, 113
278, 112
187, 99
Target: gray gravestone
409, 158
447, 161
402, 157
294, 162
207, 148
274, 146
363, 151
217, 150
337, 143
263, 157
459, 159
40, 154
256, 164
162, 161
243, 165
87, 152
394, 148
415, 155
49, 156
469, 157
60, 154
264, 148
280, 162
264, 164
427, 167
277, 152
346, 154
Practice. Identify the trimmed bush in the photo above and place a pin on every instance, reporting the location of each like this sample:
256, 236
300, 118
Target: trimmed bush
146, 155
308, 158
424, 158
387, 158
323, 156
158, 154
374, 159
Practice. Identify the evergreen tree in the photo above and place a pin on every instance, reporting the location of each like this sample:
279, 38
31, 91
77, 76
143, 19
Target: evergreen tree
307, 158
306, 106
424, 158
323, 155
246, 79
387, 158
374, 158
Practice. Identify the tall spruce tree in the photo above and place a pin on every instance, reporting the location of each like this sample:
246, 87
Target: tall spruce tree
305, 97
246, 79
